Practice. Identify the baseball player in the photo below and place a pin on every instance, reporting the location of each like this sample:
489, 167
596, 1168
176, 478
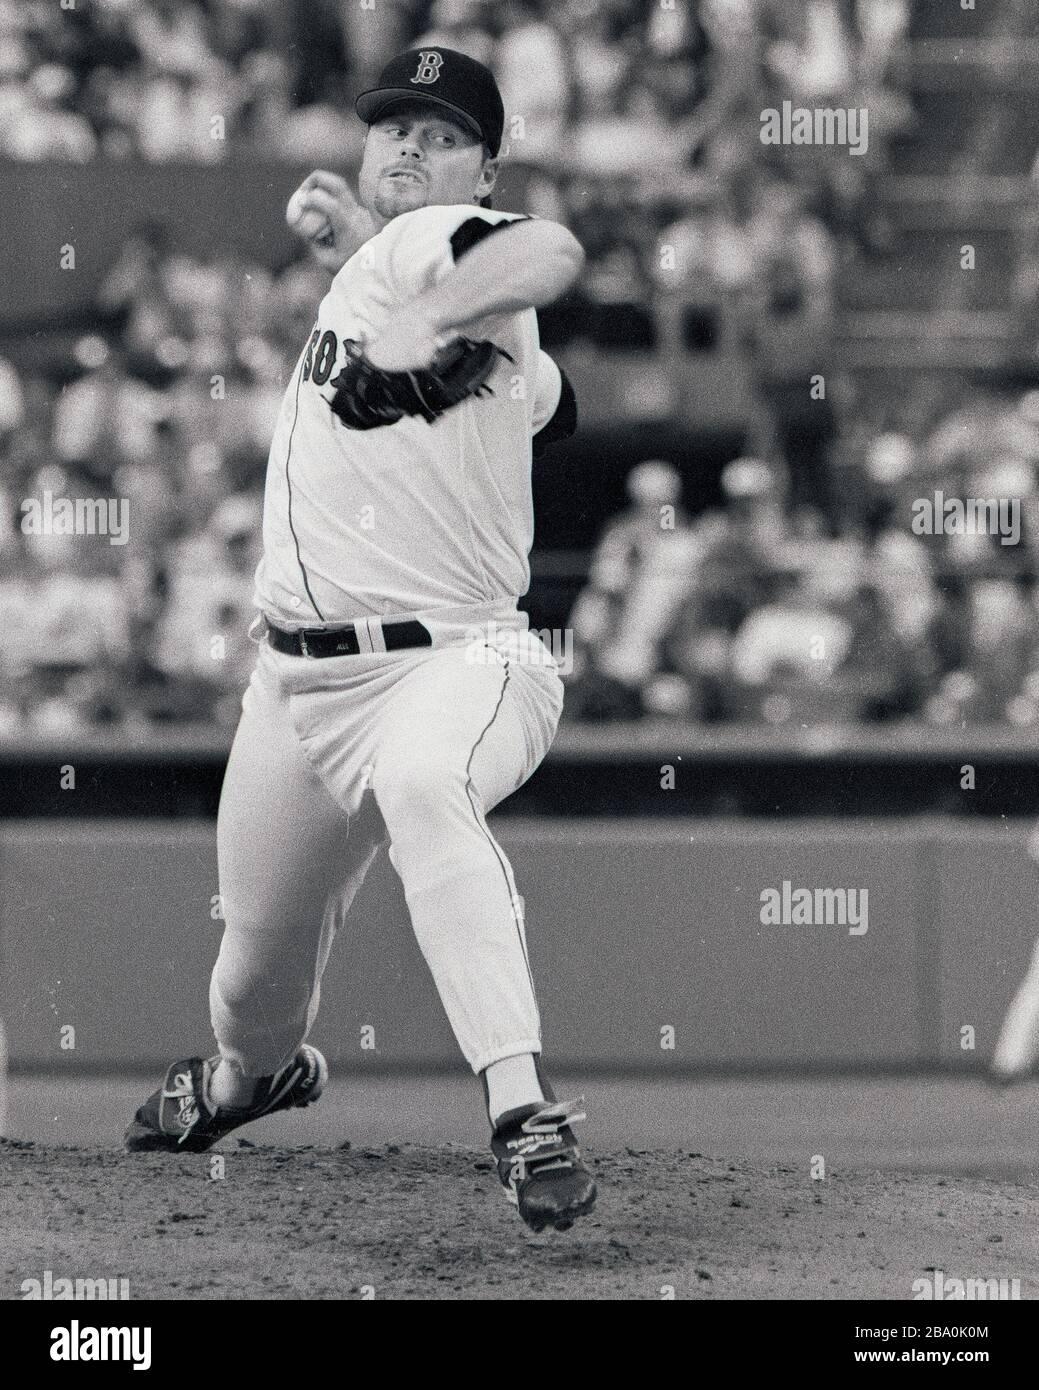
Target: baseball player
399, 694
1016, 1055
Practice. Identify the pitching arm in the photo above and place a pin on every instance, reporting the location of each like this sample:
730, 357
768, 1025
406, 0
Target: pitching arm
525, 265
485, 266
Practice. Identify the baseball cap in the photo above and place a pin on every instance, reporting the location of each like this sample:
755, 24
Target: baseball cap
445, 78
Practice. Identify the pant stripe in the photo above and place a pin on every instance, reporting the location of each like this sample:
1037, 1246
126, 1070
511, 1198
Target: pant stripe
490, 840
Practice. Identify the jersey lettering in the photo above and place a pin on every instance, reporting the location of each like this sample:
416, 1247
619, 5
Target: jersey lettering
320, 358
325, 357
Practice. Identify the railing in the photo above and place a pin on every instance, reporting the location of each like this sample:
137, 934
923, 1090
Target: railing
651, 768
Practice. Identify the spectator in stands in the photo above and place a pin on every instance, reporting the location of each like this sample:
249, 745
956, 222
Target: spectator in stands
184, 116
531, 67
640, 564
201, 643
12, 402
743, 546
818, 653
370, 35
793, 642
37, 120
105, 413
808, 51
136, 275
16, 606
270, 118
884, 674
604, 50
901, 567
702, 70
76, 622
467, 26
998, 651
237, 28
170, 37
788, 315
614, 227
732, 561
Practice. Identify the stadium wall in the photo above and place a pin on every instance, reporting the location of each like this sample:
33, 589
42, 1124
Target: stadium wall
635, 928
237, 207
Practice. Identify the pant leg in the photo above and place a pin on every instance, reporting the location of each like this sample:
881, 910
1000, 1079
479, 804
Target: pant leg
291, 862
455, 738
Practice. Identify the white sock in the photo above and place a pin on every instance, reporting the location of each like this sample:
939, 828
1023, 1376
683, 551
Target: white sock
227, 1085
512, 1082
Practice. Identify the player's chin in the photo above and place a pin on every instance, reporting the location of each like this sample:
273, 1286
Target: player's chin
397, 195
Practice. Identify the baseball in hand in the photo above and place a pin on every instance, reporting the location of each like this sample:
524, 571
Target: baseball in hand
307, 222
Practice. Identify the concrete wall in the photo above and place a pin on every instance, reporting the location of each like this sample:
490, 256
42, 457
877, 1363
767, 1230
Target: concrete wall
239, 206
634, 927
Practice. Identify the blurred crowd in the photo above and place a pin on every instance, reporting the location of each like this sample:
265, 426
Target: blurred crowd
169, 407
920, 604
805, 596
590, 86
765, 607
193, 79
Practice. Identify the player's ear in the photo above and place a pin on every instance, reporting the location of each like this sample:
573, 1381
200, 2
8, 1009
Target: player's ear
488, 178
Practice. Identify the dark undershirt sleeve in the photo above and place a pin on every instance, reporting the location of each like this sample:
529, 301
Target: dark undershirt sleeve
475, 230
563, 423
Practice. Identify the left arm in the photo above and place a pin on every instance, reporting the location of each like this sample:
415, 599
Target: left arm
524, 265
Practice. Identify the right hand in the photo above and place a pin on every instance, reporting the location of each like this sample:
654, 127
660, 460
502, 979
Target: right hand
347, 226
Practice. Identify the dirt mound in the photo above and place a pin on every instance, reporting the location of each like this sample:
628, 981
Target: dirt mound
404, 1221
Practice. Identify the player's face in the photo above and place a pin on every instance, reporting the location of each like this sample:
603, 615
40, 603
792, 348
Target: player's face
416, 157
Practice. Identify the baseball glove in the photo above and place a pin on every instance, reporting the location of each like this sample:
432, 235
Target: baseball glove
367, 397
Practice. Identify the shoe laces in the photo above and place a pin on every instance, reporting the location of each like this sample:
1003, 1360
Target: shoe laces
183, 1092
551, 1118
542, 1147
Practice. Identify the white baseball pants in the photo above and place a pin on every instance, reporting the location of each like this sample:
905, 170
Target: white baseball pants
334, 757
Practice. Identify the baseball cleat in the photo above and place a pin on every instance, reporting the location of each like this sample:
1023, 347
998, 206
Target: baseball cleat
540, 1165
181, 1118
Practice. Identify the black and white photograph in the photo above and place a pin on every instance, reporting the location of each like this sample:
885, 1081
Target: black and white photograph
519, 666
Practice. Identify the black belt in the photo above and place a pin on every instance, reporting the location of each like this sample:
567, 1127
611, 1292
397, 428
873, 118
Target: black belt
343, 641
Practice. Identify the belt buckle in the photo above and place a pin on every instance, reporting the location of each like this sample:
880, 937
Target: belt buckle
303, 642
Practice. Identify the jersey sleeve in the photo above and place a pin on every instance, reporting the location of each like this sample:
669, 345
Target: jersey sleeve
425, 245
548, 390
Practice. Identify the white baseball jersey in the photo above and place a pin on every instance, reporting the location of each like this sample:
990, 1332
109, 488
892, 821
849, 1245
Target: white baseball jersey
409, 517
429, 520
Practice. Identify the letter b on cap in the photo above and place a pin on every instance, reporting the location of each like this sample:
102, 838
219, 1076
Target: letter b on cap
429, 65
